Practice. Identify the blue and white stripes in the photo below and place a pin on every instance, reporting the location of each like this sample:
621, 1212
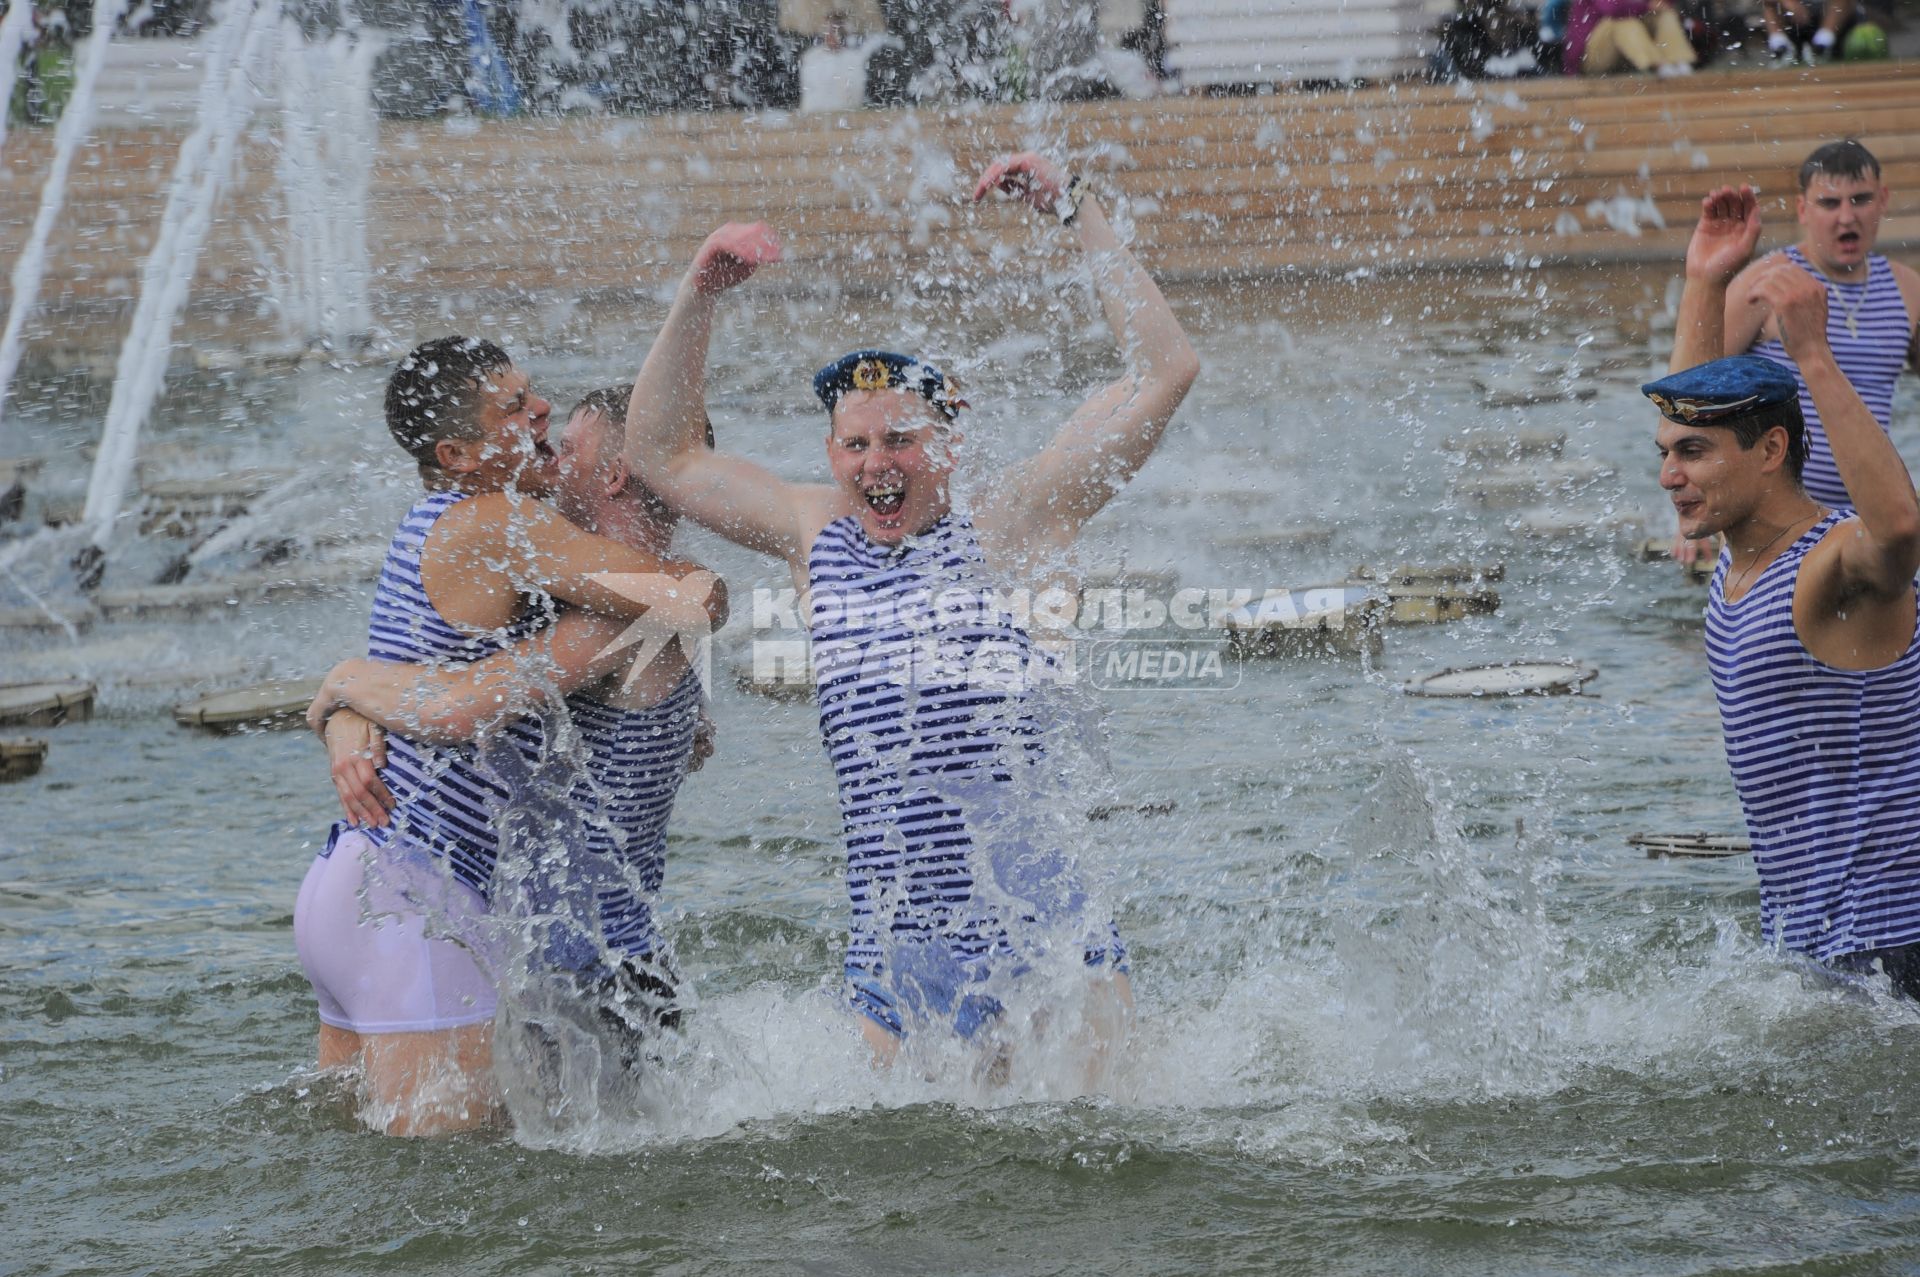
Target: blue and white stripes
924, 686
591, 791
1827, 765
446, 800
1871, 353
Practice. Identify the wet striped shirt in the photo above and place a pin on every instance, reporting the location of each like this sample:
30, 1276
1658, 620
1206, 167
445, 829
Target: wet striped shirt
1871, 361
596, 786
445, 799
598, 781
1827, 766
921, 679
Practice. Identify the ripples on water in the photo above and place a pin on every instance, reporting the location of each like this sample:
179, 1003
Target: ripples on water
1408, 1001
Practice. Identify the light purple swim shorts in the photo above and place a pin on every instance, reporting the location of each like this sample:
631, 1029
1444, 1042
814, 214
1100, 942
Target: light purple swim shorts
391, 941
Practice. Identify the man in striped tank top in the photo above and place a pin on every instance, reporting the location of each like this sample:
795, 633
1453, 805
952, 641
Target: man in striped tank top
949, 870
392, 921
1813, 636
1873, 304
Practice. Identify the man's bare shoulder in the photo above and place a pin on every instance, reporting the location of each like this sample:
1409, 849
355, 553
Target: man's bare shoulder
1909, 280
488, 522
815, 505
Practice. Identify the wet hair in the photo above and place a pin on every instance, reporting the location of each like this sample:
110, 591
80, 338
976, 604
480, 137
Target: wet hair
435, 393
1752, 428
1846, 159
610, 403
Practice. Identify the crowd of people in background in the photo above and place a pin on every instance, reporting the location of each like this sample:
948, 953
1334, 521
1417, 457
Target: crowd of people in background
1502, 38
498, 57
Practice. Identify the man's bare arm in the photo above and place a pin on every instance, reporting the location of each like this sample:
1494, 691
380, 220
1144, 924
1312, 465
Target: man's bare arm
1881, 559
730, 495
1722, 243
447, 705
356, 751
536, 548
1743, 323
1106, 441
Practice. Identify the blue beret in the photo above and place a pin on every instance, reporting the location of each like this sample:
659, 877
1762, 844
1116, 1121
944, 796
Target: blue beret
1722, 390
885, 370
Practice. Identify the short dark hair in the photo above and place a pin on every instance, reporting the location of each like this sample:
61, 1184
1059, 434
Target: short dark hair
612, 402
435, 393
1752, 428
1839, 159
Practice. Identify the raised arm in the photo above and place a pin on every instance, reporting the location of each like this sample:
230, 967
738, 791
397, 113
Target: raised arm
1111, 435
1722, 243
1743, 323
740, 500
1881, 558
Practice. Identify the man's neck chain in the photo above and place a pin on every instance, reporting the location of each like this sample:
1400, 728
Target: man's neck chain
1758, 554
1850, 315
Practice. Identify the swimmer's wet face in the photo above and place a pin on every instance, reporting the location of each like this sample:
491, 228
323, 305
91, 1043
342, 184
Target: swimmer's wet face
513, 423
1841, 218
584, 466
469, 418
1713, 481
891, 452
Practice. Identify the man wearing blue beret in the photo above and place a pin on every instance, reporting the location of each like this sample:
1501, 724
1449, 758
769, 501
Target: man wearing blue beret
933, 709
1812, 636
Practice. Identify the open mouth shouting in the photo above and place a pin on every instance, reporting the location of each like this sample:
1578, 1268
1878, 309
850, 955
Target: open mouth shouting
886, 499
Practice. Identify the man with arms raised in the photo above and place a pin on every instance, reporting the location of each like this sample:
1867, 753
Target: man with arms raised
925, 682
392, 921
1873, 304
1811, 620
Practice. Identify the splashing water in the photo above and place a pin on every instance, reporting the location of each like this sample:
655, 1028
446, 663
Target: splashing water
75, 122
243, 37
326, 172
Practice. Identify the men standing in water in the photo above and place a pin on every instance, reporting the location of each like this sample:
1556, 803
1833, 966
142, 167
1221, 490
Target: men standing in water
1812, 630
591, 818
926, 682
391, 923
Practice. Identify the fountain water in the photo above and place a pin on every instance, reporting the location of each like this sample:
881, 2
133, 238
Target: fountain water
243, 37
1379, 1022
75, 122
14, 29
325, 167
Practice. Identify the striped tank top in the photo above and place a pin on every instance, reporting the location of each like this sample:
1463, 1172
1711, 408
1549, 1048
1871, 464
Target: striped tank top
592, 791
445, 798
1871, 360
1827, 766
597, 782
926, 715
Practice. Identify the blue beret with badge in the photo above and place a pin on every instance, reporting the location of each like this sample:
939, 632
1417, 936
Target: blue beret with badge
885, 370
1720, 391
